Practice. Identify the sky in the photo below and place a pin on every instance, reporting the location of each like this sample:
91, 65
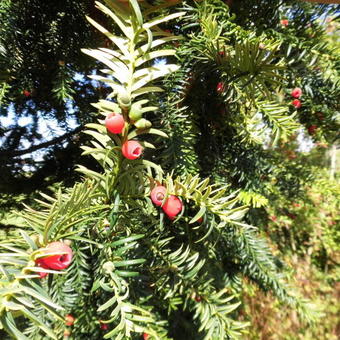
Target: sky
48, 128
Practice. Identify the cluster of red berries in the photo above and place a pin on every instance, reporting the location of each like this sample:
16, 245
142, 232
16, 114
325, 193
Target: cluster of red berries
172, 205
296, 93
57, 256
115, 124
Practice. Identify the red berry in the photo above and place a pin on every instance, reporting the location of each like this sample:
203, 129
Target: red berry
200, 220
220, 87
26, 93
198, 298
104, 326
297, 103
56, 261
132, 149
158, 194
296, 93
146, 336
114, 122
312, 129
284, 22
273, 218
69, 320
172, 206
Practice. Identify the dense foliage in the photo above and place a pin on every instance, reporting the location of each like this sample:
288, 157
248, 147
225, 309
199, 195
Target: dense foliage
205, 90
42, 83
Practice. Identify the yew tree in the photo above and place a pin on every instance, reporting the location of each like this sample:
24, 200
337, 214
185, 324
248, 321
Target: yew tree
159, 240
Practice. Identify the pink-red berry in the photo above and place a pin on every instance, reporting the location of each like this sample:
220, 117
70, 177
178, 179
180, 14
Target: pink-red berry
220, 87
56, 261
26, 93
114, 122
104, 326
172, 206
284, 22
69, 320
296, 93
146, 336
158, 194
131, 149
297, 103
312, 129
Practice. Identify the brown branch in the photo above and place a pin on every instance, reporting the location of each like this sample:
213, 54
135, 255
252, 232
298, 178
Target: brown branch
40, 146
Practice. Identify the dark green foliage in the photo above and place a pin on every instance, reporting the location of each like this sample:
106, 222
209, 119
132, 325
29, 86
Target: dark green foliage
41, 64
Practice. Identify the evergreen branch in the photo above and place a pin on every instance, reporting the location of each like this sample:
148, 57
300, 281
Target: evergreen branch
211, 197
212, 316
20, 292
282, 124
65, 211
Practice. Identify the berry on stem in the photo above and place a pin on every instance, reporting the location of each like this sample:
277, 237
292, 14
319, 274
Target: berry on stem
69, 320
220, 87
296, 93
311, 129
104, 326
26, 93
284, 22
172, 206
114, 122
157, 195
198, 298
60, 258
146, 336
131, 149
297, 103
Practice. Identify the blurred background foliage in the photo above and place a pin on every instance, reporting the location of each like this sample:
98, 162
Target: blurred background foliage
305, 229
